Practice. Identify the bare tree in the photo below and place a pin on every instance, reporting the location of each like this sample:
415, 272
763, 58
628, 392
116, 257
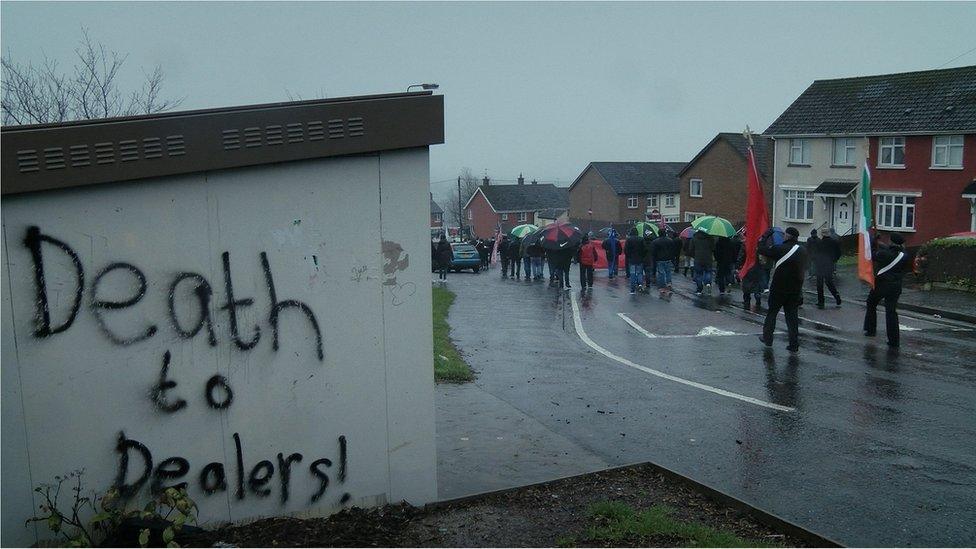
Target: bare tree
45, 94
469, 184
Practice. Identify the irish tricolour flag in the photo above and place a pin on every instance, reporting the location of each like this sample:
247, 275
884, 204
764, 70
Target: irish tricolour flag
865, 267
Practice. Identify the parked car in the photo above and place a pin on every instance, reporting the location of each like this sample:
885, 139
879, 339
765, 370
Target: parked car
465, 257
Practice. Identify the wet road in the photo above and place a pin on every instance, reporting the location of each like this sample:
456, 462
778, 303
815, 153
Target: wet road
863, 445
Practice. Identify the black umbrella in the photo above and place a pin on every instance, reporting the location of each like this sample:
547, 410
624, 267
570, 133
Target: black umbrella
532, 238
559, 236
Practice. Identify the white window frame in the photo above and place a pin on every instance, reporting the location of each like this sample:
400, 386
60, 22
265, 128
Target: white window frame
888, 216
632, 202
652, 201
505, 217
439, 217
803, 146
893, 145
523, 217
671, 218
794, 196
850, 152
691, 188
669, 200
691, 216
948, 145
470, 215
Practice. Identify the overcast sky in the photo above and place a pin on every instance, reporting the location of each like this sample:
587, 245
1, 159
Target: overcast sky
537, 88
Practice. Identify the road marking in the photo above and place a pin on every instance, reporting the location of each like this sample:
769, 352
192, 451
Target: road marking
907, 328
578, 322
704, 332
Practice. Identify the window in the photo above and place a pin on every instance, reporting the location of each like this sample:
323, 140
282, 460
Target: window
947, 151
669, 201
896, 212
522, 217
652, 201
799, 205
695, 187
670, 219
843, 151
800, 152
470, 215
691, 216
437, 217
504, 217
632, 202
892, 151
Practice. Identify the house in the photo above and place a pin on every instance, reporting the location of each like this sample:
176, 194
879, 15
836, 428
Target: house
510, 205
918, 132
607, 193
715, 182
551, 215
436, 217
969, 193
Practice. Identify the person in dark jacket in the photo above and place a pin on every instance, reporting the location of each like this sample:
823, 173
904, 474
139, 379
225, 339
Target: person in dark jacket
689, 261
634, 254
702, 249
515, 258
503, 254
444, 256
724, 261
676, 245
647, 272
612, 246
482, 248
785, 286
824, 253
754, 282
890, 264
663, 250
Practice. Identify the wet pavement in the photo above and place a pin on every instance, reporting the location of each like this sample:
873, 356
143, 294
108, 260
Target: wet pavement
860, 444
953, 301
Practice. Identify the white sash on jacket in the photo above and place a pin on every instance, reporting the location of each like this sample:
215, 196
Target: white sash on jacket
891, 265
782, 260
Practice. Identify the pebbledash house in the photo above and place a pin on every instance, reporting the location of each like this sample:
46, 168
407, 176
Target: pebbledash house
917, 131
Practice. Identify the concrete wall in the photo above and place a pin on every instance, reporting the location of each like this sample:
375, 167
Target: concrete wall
344, 239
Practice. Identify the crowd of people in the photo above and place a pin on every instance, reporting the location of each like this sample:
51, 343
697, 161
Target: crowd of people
780, 271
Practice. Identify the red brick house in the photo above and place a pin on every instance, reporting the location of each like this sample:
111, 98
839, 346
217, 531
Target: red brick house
715, 181
917, 131
436, 217
510, 205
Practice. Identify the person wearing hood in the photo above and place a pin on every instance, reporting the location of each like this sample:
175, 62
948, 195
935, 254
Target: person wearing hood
702, 249
785, 285
634, 253
612, 246
890, 263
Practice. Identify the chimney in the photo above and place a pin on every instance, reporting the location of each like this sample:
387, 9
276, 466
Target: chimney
534, 182
521, 180
486, 181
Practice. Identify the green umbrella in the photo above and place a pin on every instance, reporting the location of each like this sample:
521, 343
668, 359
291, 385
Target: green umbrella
713, 225
522, 230
646, 228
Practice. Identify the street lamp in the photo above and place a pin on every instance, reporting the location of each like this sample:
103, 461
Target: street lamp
426, 86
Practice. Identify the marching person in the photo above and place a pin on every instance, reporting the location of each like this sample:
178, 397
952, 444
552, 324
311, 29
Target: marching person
515, 258
889, 265
724, 259
824, 253
535, 253
634, 255
526, 260
647, 275
587, 257
612, 247
702, 248
483, 252
664, 256
754, 282
503, 254
785, 286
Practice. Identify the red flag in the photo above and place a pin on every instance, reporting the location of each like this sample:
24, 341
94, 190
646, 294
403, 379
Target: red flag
757, 220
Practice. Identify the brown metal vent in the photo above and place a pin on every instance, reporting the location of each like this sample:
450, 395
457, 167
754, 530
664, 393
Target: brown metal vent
80, 156
27, 161
295, 132
356, 127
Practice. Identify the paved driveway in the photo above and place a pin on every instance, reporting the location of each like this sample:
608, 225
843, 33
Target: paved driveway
857, 443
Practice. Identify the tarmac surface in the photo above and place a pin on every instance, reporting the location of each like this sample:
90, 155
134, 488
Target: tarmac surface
858, 443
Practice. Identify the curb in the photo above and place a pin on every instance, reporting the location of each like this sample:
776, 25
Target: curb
759, 515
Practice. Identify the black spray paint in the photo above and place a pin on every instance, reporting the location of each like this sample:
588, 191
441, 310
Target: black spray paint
98, 305
158, 393
218, 402
128, 490
231, 307
42, 326
212, 478
278, 306
169, 469
204, 293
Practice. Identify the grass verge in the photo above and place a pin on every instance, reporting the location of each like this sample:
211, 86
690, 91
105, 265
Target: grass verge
448, 364
847, 261
617, 524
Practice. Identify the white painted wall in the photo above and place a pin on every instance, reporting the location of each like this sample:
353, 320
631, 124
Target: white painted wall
809, 178
322, 224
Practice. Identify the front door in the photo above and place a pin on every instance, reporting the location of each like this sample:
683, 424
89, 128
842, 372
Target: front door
843, 221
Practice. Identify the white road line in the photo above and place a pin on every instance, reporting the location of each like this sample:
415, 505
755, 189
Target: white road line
578, 322
707, 331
